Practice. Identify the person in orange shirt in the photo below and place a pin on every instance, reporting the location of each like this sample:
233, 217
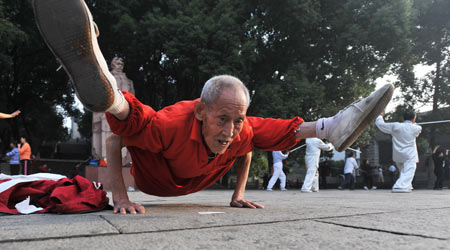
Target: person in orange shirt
188, 146
25, 156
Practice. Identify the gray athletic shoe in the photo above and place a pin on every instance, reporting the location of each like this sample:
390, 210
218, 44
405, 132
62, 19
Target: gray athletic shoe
353, 119
70, 33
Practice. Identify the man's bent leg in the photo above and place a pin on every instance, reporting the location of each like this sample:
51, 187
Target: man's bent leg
310, 171
70, 33
315, 184
407, 172
282, 178
274, 178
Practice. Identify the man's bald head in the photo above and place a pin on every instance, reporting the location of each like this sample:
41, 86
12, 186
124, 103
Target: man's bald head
215, 85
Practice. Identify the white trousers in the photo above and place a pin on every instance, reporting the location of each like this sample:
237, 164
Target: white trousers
407, 171
277, 173
311, 182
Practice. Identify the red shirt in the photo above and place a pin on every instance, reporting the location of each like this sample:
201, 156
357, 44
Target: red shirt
169, 155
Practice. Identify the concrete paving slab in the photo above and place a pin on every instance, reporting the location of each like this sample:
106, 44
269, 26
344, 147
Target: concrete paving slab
282, 235
330, 219
428, 223
42, 226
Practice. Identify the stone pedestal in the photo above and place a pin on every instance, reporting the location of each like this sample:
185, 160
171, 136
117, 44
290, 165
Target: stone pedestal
100, 127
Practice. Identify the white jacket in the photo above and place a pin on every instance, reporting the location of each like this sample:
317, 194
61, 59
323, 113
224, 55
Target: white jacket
314, 145
350, 165
403, 138
278, 156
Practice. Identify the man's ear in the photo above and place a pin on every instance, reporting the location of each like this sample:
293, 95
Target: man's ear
200, 110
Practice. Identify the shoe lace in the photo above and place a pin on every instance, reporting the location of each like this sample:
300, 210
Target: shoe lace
97, 31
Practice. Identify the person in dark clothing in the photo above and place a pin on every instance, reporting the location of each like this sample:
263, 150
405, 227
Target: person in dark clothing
368, 177
447, 165
324, 172
438, 159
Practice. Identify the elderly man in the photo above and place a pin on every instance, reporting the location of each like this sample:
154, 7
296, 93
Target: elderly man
404, 149
188, 146
313, 148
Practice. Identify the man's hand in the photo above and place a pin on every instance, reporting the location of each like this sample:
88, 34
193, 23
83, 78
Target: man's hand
242, 165
244, 203
124, 205
383, 114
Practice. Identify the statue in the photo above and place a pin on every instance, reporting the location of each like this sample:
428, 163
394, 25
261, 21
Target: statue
100, 127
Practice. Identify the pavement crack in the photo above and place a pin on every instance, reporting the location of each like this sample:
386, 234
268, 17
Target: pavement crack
380, 230
110, 223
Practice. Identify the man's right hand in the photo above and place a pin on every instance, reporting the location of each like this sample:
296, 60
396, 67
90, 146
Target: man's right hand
124, 205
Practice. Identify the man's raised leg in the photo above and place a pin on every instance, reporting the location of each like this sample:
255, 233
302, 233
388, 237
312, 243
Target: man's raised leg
69, 31
344, 128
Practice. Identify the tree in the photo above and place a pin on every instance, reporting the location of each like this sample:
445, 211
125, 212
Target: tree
431, 46
28, 80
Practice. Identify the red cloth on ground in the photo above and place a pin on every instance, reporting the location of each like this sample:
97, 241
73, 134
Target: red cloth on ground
168, 153
63, 196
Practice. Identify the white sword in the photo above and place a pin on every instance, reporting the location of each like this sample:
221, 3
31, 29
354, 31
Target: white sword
356, 150
433, 122
299, 147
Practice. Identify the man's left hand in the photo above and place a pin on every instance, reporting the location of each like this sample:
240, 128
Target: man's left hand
245, 203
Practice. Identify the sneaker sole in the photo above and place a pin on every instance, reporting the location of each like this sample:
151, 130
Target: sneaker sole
366, 121
68, 30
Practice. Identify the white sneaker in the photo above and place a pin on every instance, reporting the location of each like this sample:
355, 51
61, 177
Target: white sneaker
70, 33
283, 189
269, 189
366, 188
345, 127
401, 190
305, 191
374, 188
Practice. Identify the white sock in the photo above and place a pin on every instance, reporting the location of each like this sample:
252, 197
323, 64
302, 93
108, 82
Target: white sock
324, 126
119, 103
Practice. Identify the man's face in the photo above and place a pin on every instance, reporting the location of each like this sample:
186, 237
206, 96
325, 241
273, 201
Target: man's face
223, 119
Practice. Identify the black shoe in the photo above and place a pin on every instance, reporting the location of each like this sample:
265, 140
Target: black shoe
70, 33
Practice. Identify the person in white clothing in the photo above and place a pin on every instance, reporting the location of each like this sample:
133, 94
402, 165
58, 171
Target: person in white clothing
349, 169
313, 148
404, 149
278, 173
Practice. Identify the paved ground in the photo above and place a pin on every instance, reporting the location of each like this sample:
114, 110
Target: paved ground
330, 219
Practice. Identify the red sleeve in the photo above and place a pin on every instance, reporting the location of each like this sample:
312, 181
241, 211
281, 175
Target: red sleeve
141, 129
138, 118
274, 134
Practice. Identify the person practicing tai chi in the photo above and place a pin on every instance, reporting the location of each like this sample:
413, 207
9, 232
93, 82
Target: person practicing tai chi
349, 172
404, 149
278, 173
313, 148
188, 146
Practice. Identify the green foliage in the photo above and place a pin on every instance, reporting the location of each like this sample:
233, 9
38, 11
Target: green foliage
28, 80
431, 46
259, 165
307, 58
